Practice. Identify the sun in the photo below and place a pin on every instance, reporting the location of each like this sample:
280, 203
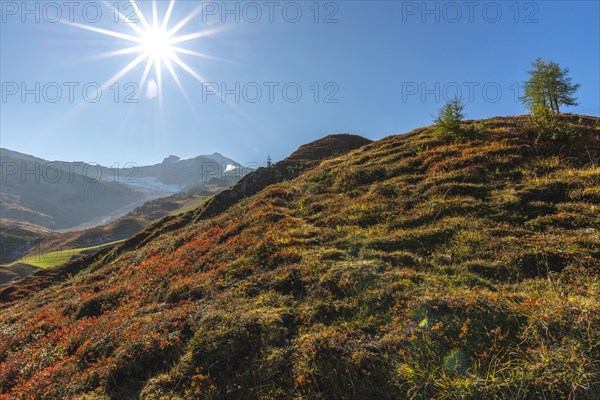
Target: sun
155, 44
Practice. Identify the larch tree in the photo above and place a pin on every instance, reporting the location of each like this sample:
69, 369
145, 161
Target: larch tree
549, 86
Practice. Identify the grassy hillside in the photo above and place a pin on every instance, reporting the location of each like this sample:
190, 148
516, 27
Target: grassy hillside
17, 236
58, 257
27, 248
408, 268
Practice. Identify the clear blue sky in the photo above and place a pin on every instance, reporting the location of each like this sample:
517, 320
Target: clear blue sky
375, 56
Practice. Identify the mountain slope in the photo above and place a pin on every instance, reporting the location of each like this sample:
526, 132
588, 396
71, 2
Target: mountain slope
67, 195
22, 243
54, 195
16, 237
409, 267
185, 173
91, 205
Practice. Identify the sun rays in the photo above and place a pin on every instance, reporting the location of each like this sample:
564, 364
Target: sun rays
155, 45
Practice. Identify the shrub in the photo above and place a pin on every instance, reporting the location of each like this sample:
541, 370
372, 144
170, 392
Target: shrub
548, 125
478, 129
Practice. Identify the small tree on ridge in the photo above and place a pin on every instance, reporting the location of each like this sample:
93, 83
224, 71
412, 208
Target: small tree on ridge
449, 119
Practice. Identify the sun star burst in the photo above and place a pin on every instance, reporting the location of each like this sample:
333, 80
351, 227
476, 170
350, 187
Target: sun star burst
155, 44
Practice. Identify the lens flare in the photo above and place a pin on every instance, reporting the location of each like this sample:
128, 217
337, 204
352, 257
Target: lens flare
155, 44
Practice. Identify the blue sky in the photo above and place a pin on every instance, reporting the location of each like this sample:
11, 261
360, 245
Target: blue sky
371, 61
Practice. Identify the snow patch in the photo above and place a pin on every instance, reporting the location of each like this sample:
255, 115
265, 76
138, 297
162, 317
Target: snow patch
150, 184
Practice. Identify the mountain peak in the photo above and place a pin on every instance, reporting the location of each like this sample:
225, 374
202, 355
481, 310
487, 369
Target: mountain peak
171, 159
329, 146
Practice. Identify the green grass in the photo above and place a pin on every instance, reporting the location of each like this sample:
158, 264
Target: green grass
189, 205
59, 257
